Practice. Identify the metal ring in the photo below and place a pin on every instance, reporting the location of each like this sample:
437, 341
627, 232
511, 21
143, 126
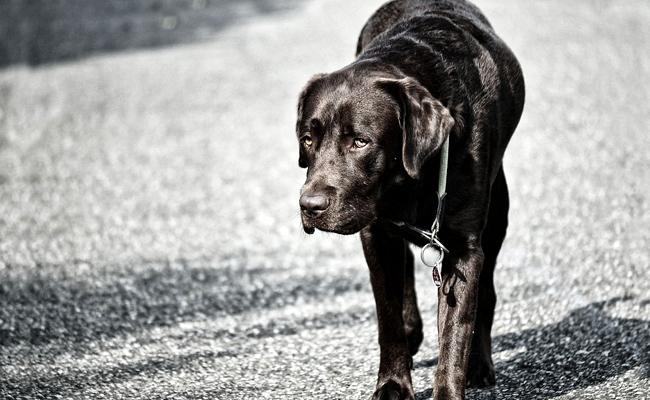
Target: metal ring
440, 251
434, 240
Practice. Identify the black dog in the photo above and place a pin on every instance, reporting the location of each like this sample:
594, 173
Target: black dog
370, 135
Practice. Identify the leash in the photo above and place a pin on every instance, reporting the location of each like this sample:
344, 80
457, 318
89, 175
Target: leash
433, 251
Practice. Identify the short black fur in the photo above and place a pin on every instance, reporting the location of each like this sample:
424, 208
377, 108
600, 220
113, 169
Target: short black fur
370, 135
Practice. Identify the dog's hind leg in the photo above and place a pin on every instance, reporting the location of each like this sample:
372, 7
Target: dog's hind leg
480, 371
410, 312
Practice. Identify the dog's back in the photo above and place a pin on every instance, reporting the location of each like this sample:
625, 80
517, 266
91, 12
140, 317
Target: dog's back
396, 11
451, 48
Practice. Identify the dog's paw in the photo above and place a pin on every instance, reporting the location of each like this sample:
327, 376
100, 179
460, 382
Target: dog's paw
392, 390
480, 373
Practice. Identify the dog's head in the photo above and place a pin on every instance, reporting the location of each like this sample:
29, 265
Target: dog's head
359, 133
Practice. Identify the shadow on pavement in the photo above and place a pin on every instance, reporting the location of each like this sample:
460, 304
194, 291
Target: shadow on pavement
65, 312
67, 384
586, 348
46, 315
57, 311
61, 314
45, 31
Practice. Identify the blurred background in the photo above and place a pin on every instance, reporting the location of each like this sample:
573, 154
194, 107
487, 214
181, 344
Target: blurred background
150, 241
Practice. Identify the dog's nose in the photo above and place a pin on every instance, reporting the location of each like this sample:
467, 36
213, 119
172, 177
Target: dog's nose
313, 204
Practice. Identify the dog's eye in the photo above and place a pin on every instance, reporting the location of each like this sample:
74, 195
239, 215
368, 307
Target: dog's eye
306, 141
359, 143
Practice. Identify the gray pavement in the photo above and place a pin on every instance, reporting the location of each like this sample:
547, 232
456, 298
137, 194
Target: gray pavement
150, 244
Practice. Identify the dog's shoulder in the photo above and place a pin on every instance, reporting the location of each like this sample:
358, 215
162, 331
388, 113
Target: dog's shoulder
428, 39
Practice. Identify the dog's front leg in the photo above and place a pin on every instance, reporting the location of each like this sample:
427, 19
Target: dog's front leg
386, 256
456, 314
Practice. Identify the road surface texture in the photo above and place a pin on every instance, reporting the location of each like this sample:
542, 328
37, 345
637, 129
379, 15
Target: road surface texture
150, 243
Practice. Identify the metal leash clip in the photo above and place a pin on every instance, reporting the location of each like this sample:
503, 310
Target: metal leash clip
433, 252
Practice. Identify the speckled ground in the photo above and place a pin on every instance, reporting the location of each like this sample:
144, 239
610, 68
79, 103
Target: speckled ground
150, 245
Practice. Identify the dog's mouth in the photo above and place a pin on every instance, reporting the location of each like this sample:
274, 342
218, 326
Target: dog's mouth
347, 226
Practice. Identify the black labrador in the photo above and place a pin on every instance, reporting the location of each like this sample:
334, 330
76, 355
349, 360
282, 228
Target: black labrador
370, 135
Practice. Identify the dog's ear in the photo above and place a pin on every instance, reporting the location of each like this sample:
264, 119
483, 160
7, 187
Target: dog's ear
425, 122
304, 94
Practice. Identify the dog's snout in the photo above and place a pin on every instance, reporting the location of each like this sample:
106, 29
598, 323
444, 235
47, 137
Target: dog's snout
313, 204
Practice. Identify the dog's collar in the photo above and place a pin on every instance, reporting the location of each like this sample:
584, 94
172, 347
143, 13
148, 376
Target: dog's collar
433, 251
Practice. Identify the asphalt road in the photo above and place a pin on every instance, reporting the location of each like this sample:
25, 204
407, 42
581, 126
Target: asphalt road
150, 244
